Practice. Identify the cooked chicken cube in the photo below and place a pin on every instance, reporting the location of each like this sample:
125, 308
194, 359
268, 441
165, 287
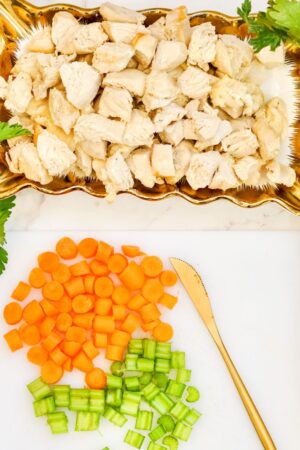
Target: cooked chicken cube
19, 93
62, 112
202, 47
139, 130
120, 32
131, 79
167, 115
89, 37
271, 58
178, 26
224, 129
195, 83
112, 57
173, 133
41, 41
54, 153
280, 174
240, 143
97, 128
202, 169
93, 149
3, 88
247, 169
158, 29
124, 149
162, 160
144, 45
225, 178
161, 89
116, 13
81, 82
64, 29
98, 166
191, 107
83, 162
241, 123
233, 56
27, 123
169, 55
182, 154
139, 163
118, 174
115, 102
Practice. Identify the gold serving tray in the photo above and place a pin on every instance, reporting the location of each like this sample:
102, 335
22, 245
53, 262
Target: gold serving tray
16, 18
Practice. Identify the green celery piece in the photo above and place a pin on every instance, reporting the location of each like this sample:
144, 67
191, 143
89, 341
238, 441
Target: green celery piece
44, 406
170, 442
132, 383
117, 368
79, 399
192, 417
130, 403
162, 365
114, 382
149, 347
178, 360
58, 422
136, 346
105, 448
130, 361
155, 446
179, 411
163, 350
162, 403
175, 389
61, 395
145, 378
39, 389
144, 420
161, 380
150, 391
193, 394
87, 421
167, 423
114, 417
183, 375
114, 397
157, 433
97, 401
145, 365
56, 416
134, 439
182, 431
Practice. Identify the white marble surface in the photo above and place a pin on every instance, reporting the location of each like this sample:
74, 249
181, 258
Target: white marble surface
77, 211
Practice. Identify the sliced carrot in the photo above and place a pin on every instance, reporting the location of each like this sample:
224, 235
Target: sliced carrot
33, 312
52, 341
64, 304
82, 303
89, 281
114, 352
104, 324
96, 379
63, 322
37, 355
48, 308
99, 268
66, 248
21, 291
150, 325
90, 350
84, 320
100, 340
12, 313
82, 362
168, 300
152, 290
131, 250
13, 340
103, 306
132, 277
104, 251
79, 269
152, 266
58, 356
75, 287
30, 334
121, 295
117, 263
119, 338
88, 247
76, 334
62, 274
150, 312
131, 323
103, 287
47, 326
37, 278
136, 302
71, 348
53, 290
68, 366
51, 372
48, 261
119, 312
168, 278
163, 332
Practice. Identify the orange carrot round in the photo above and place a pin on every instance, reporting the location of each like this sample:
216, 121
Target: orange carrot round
62, 274
117, 263
21, 291
88, 247
75, 287
131, 323
82, 362
152, 266
89, 281
66, 248
53, 290
84, 320
76, 334
71, 348
132, 276
37, 278
33, 312
63, 322
47, 326
103, 287
30, 334
121, 295
96, 379
131, 250
104, 251
152, 290
99, 268
114, 352
163, 332
103, 306
64, 304
12, 313
168, 278
82, 304
13, 340
48, 261
51, 372
37, 355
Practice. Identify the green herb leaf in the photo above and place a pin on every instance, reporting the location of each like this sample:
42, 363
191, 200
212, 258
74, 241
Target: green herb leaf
5, 211
245, 10
10, 131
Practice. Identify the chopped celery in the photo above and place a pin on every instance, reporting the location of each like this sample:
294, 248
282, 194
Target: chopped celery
193, 394
183, 375
161, 380
114, 382
97, 401
144, 420
163, 350
182, 431
130, 361
39, 389
61, 395
114, 397
149, 346
174, 388
192, 417
178, 360
87, 421
134, 439
105, 448
162, 365
150, 391
130, 403
136, 346
132, 383
44, 406
167, 422
145, 378
162, 403
170, 442
58, 422
154, 446
145, 365
157, 433
179, 411
79, 399
114, 417
117, 368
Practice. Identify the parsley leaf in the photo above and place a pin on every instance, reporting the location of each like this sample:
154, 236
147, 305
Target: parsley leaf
245, 10
10, 131
6, 206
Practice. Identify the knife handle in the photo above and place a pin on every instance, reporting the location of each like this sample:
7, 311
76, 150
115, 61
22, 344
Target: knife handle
252, 411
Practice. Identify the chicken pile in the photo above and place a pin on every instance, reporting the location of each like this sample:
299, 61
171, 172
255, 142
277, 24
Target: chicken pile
118, 101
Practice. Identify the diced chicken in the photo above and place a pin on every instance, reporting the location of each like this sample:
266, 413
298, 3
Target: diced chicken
81, 82
93, 149
62, 112
241, 123
280, 174
139, 163
125, 150
144, 45
169, 55
161, 89
120, 32
139, 130
233, 56
64, 30
173, 133
3, 88
118, 174
162, 160
195, 83
202, 47
26, 63
225, 177
19, 93
271, 58
116, 13
24, 158
182, 154
167, 115
158, 29
131, 79
83, 162
27, 123
41, 41
89, 37
55, 155
96, 128
38, 110
247, 169
240, 143
98, 166
191, 107
270, 127
223, 130
202, 169
115, 102
235, 97
178, 26
112, 57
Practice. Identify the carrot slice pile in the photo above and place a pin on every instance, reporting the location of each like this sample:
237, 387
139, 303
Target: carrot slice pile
84, 307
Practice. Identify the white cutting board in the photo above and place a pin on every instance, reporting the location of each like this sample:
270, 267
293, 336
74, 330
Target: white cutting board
253, 280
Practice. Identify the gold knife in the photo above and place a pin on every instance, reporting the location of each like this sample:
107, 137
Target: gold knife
196, 290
